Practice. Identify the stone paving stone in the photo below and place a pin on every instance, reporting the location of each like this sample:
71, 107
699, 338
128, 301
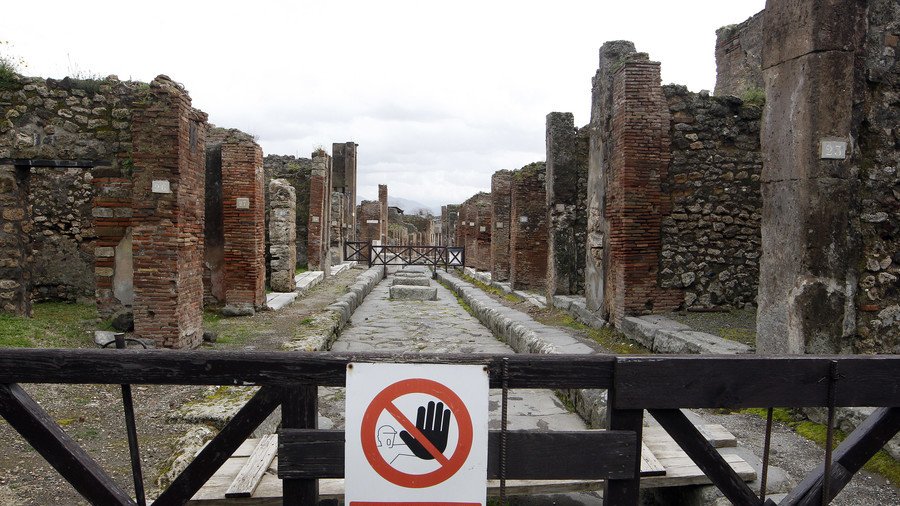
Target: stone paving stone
441, 326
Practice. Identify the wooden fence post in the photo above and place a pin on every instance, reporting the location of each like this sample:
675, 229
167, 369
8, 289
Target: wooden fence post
299, 410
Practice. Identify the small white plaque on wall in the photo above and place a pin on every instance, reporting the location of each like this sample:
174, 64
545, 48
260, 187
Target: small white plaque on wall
500, 225
482, 229
160, 186
371, 222
833, 149
315, 219
523, 219
471, 223
243, 203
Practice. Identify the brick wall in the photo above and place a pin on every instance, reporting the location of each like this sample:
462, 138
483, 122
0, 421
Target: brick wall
566, 205
243, 204
501, 195
482, 232
319, 230
282, 232
635, 204
528, 230
113, 266
344, 181
169, 145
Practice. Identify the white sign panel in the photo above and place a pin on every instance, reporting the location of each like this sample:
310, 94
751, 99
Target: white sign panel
416, 434
833, 149
160, 186
242, 203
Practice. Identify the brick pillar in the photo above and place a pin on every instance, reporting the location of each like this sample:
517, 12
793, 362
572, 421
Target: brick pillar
635, 204
528, 230
344, 181
383, 201
113, 256
821, 178
169, 158
483, 231
15, 248
566, 204
282, 235
319, 230
501, 203
243, 208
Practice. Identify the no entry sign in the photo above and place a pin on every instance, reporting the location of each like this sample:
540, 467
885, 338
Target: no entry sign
416, 434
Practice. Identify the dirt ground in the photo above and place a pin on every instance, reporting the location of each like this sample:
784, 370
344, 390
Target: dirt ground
93, 416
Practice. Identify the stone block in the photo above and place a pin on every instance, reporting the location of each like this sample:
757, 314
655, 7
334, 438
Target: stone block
411, 281
402, 292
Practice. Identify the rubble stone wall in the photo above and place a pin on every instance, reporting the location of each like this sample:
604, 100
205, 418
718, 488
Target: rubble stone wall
739, 58
282, 232
296, 171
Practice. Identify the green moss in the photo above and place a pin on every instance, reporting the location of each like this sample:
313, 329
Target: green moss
306, 321
301, 269
745, 336
65, 422
754, 96
459, 299
53, 325
882, 463
606, 337
511, 297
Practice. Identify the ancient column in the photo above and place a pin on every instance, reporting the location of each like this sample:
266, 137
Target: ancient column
282, 235
501, 195
528, 230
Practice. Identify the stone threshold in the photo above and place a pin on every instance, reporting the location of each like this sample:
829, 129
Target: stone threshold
664, 335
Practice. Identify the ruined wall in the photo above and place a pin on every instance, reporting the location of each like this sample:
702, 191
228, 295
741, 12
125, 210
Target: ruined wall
501, 203
214, 222
566, 190
369, 213
711, 240
243, 204
318, 240
528, 230
739, 58
482, 231
296, 172
113, 250
51, 235
167, 199
383, 201
339, 230
282, 235
343, 180
449, 222
829, 224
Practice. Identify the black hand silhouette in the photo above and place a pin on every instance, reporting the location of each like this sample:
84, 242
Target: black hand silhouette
434, 425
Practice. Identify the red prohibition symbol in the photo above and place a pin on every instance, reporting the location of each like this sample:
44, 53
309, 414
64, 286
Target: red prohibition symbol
384, 401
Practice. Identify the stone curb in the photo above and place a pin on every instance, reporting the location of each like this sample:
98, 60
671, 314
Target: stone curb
664, 335
347, 303
525, 335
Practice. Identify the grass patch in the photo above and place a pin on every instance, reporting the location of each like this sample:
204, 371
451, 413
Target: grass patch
754, 96
607, 337
53, 325
511, 297
744, 336
301, 269
306, 321
459, 299
882, 463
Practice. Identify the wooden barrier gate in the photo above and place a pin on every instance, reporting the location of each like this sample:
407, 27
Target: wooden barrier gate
660, 384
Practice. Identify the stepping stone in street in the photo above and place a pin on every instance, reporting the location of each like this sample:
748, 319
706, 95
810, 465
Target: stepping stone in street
411, 281
405, 292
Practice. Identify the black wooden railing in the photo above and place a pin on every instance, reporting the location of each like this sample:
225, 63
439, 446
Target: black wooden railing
659, 384
432, 256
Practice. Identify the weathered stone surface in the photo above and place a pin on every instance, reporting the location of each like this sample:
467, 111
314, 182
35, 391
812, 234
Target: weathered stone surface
123, 321
296, 173
528, 236
501, 202
410, 281
407, 292
739, 57
282, 232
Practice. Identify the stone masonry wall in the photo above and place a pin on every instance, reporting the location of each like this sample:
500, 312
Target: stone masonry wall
481, 232
635, 204
15, 274
829, 265
113, 251
169, 145
711, 240
566, 205
339, 230
739, 58
243, 204
528, 230
383, 201
343, 180
449, 222
282, 232
501, 202
369, 213
296, 172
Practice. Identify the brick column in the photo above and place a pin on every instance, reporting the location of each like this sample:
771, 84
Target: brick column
635, 204
282, 235
169, 158
344, 181
15, 250
243, 208
566, 204
528, 230
319, 230
501, 203
113, 257
383, 201
482, 231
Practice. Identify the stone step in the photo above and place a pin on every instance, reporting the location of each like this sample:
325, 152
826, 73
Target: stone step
411, 281
404, 292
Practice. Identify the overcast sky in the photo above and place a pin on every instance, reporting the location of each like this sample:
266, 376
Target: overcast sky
438, 95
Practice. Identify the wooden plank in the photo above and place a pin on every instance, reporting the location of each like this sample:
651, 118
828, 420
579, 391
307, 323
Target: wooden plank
752, 381
869, 437
43, 433
705, 456
300, 411
680, 473
717, 435
253, 469
531, 455
218, 451
650, 465
191, 367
